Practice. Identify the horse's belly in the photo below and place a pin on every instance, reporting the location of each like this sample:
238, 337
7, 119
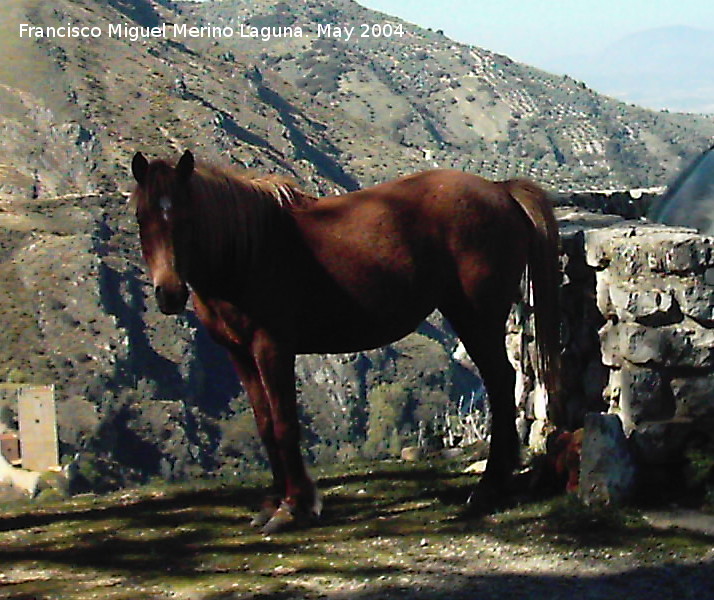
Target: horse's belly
353, 332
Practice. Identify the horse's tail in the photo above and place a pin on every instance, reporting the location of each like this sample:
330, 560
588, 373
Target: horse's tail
543, 278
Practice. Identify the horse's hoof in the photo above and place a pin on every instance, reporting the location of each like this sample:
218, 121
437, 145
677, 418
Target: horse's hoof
282, 519
267, 510
289, 517
266, 513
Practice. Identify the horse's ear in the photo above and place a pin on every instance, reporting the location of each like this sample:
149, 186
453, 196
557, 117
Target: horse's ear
185, 165
139, 166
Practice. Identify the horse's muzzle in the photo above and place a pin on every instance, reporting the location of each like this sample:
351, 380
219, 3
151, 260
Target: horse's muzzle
171, 301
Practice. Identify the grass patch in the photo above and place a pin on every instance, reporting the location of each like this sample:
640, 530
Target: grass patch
567, 514
383, 523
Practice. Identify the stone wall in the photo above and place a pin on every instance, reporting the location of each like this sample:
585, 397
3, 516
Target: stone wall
637, 332
630, 204
655, 288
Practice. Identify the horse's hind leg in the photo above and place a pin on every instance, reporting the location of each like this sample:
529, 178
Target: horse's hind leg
483, 334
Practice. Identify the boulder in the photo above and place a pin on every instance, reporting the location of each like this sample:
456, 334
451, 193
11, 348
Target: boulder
607, 468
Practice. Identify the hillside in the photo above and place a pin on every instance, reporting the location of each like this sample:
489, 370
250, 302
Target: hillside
464, 106
142, 395
330, 112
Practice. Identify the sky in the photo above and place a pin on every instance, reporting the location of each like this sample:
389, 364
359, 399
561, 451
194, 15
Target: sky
537, 32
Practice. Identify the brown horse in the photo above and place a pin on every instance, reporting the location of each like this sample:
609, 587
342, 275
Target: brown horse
273, 272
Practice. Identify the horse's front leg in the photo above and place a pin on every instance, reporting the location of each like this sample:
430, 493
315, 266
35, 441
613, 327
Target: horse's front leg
276, 367
250, 378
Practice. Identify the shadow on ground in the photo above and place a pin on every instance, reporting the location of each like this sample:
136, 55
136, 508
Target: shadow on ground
386, 533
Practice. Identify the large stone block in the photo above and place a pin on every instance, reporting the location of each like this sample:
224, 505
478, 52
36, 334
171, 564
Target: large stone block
632, 342
643, 396
661, 442
680, 253
643, 299
603, 301
689, 345
693, 295
630, 248
607, 468
685, 344
694, 396
600, 243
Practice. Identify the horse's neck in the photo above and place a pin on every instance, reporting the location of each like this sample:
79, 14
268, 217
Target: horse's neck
238, 249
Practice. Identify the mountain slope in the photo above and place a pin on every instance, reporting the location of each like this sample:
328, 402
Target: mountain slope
155, 395
370, 108
73, 125
464, 106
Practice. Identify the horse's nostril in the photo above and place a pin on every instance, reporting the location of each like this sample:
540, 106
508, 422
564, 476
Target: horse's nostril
171, 301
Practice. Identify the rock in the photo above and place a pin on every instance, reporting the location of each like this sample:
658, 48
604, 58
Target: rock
633, 342
607, 472
600, 242
22, 480
693, 295
694, 396
411, 453
476, 467
644, 300
633, 247
540, 402
680, 253
661, 442
538, 437
689, 344
642, 396
603, 282
685, 344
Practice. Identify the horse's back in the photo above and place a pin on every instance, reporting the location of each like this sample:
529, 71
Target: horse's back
418, 200
418, 234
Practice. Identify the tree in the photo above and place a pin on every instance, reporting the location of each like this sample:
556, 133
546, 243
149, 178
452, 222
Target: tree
386, 406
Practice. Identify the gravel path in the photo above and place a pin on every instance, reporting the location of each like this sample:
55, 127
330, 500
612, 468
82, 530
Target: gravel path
478, 568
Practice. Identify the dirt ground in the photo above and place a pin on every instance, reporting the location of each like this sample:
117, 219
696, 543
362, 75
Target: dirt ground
389, 531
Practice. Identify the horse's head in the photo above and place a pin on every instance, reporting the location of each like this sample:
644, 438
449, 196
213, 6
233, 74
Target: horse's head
161, 199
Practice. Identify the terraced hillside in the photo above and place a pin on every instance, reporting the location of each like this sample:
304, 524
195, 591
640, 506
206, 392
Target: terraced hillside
462, 106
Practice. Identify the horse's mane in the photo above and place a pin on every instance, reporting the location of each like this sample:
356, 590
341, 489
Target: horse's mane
237, 215
281, 189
